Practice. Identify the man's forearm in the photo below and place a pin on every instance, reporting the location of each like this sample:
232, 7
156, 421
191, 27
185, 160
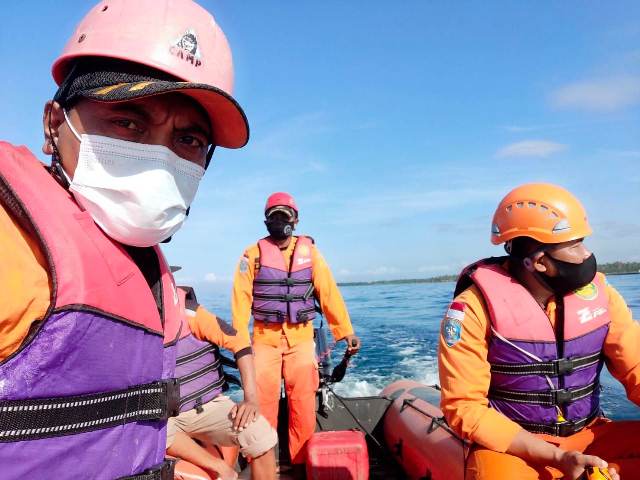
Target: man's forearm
533, 449
248, 375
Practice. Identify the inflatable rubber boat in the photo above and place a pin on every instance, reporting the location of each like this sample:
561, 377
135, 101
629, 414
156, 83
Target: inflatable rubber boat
406, 436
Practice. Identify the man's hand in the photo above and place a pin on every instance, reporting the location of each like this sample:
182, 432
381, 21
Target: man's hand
573, 464
353, 344
226, 473
244, 413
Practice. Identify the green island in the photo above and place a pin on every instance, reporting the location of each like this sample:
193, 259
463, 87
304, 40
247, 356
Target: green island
614, 268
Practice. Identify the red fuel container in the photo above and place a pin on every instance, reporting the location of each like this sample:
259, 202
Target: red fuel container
338, 455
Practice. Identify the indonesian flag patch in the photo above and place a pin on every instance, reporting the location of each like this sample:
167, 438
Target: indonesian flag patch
456, 311
452, 323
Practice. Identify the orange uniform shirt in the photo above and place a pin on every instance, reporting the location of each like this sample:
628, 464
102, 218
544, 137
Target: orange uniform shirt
465, 372
24, 283
326, 290
207, 327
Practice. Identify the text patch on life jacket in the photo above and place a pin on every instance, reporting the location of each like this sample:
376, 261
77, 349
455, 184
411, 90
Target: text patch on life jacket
545, 381
284, 293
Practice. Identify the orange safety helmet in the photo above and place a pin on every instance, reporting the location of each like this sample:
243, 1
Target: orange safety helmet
542, 211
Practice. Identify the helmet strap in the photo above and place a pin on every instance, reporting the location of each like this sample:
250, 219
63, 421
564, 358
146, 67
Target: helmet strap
56, 165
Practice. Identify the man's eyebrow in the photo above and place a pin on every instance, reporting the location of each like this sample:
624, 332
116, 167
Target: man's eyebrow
126, 107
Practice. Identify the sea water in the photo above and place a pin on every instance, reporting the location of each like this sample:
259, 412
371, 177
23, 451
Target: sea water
399, 327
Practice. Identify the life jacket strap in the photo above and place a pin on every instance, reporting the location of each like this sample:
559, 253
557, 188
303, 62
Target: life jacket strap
550, 397
164, 471
285, 282
210, 348
220, 383
560, 429
201, 372
52, 417
555, 368
289, 298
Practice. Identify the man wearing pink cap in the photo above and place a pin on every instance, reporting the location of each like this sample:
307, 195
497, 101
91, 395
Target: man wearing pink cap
90, 312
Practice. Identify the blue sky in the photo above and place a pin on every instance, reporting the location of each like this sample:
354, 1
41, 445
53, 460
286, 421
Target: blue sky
397, 129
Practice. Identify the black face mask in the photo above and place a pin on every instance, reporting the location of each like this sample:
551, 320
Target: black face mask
571, 276
279, 229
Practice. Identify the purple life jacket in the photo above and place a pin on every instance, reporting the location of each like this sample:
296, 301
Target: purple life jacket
546, 381
83, 396
284, 293
198, 364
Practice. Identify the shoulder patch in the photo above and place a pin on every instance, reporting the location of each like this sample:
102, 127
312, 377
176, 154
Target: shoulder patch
244, 265
451, 331
452, 323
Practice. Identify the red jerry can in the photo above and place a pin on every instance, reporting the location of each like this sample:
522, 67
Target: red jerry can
340, 455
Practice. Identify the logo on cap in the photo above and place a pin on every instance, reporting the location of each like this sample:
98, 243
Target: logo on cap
186, 48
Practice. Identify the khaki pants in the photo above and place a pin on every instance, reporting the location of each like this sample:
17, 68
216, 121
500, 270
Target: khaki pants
614, 442
214, 426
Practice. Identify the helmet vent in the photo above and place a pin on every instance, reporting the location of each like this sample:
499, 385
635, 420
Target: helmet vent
509, 208
562, 226
104, 9
81, 38
495, 229
532, 204
520, 204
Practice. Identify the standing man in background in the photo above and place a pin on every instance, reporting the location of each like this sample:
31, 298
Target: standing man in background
278, 281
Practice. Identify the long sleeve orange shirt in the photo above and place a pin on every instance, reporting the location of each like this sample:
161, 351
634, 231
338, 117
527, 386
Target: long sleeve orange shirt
326, 290
207, 327
465, 372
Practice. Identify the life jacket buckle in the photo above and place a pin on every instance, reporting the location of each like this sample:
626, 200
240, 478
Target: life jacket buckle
564, 366
198, 405
290, 282
289, 297
173, 397
560, 397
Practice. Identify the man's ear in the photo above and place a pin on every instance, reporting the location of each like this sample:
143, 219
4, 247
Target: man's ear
52, 118
539, 262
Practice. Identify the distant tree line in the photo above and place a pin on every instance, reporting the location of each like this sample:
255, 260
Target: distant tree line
619, 268
615, 268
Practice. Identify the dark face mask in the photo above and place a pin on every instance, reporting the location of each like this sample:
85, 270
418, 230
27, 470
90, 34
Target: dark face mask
279, 229
571, 276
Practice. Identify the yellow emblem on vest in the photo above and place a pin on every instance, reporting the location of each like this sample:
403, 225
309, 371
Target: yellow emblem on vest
304, 250
588, 292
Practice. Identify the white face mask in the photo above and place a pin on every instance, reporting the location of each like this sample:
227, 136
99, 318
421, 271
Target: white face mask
137, 194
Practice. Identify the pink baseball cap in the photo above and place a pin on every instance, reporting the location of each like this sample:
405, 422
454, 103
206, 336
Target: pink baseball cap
177, 38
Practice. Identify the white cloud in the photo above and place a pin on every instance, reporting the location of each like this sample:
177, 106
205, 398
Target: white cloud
530, 148
601, 95
211, 277
382, 270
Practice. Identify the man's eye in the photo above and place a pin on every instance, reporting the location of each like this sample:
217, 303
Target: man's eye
192, 141
128, 124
